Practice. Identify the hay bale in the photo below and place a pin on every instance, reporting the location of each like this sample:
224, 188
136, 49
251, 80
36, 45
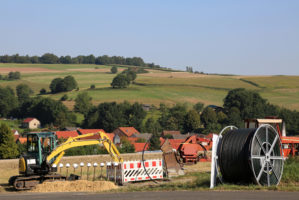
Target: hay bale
75, 186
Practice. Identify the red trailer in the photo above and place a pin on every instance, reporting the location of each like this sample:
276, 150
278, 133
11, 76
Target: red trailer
194, 149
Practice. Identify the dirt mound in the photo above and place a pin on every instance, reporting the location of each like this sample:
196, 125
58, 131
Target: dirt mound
74, 186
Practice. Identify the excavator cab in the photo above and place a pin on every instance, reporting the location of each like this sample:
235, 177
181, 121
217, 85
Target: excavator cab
39, 146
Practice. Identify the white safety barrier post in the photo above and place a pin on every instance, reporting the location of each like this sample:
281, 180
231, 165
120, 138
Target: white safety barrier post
67, 168
214, 160
108, 171
75, 167
81, 165
115, 164
88, 166
94, 170
101, 175
60, 167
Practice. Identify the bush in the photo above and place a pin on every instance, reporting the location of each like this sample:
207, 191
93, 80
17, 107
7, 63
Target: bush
92, 86
114, 70
68, 83
14, 76
120, 81
43, 91
64, 97
126, 146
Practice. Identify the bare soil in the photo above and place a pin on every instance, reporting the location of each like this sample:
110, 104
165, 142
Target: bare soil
75, 186
26, 69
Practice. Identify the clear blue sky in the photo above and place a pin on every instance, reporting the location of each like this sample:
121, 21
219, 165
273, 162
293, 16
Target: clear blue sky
239, 37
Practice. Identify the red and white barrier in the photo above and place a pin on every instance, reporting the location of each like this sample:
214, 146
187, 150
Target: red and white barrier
131, 171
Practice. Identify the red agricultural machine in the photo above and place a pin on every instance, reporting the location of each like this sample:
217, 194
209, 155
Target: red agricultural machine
290, 144
195, 149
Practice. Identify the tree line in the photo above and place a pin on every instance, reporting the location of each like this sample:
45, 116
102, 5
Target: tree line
49, 58
239, 104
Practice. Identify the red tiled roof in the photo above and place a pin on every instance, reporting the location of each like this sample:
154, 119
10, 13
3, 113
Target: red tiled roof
132, 139
27, 120
22, 140
86, 131
129, 131
66, 134
175, 143
139, 147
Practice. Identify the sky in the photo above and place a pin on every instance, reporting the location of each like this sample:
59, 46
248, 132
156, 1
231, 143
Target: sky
253, 37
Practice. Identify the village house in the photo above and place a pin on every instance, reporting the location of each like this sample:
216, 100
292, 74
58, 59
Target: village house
15, 134
125, 131
31, 123
176, 134
66, 134
144, 136
146, 107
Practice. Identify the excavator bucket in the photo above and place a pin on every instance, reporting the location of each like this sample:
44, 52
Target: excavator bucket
172, 161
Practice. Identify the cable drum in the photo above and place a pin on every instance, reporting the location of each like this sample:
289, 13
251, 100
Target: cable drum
251, 155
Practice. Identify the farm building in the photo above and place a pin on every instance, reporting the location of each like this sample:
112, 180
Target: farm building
140, 146
125, 131
31, 123
66, 134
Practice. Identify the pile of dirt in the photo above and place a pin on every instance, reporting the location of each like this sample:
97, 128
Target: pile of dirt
75, 186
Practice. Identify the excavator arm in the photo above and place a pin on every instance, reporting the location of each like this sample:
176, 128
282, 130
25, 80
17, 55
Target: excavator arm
55, 156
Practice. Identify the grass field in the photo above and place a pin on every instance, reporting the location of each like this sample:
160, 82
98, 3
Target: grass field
156, 86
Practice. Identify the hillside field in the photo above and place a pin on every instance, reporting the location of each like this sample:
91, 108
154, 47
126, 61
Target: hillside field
156, 86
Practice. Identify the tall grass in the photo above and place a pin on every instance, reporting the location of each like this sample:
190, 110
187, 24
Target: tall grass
291, 171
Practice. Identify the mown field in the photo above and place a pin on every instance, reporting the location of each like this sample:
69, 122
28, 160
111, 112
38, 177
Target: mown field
156, 86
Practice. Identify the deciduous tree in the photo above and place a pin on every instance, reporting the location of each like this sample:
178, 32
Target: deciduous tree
8, 147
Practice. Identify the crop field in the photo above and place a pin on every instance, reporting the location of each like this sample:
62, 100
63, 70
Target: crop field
156, 86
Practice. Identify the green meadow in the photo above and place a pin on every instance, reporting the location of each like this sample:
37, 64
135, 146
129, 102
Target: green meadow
156, 86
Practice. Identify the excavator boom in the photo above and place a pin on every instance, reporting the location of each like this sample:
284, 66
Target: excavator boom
77, 142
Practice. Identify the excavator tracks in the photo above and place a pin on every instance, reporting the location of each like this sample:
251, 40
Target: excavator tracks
29, 182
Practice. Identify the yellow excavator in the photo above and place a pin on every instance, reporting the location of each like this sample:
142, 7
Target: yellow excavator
39, 162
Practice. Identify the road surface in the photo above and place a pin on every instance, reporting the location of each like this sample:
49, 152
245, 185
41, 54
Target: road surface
173, 195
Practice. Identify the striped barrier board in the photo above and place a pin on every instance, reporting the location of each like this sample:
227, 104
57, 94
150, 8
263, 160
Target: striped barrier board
131, 171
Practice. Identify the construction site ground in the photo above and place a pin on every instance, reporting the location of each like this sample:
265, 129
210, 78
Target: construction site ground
197, 177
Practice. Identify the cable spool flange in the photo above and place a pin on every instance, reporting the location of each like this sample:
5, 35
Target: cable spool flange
251, 155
